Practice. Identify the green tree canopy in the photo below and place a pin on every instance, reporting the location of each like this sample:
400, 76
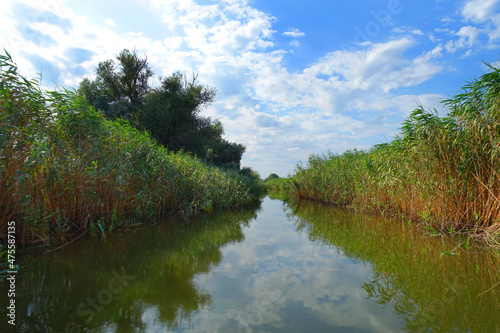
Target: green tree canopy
271, 176
171, 114
119, 87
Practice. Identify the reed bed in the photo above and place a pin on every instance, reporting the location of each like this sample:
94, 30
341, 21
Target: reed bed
65, 169
441, 171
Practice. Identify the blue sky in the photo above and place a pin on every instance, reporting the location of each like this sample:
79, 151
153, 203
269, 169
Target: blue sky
293, 77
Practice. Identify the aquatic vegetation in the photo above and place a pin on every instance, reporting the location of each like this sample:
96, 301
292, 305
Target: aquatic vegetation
442, 171
66, 169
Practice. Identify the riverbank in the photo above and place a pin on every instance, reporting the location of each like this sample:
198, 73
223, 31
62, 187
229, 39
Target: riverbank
442, 172
67, 170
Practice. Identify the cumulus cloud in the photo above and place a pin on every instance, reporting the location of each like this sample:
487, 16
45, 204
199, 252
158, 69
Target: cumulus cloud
479, 10
468, 37
484, 13
47, 35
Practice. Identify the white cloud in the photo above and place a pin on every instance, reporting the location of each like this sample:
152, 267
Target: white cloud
110, 23
294, 32
447, 19
468, 37
494, 34
404, 30
217, 29
379, 66
68, 31
485, 14
479, 10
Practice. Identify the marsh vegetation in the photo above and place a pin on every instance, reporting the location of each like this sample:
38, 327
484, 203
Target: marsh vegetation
68, 168
441, 171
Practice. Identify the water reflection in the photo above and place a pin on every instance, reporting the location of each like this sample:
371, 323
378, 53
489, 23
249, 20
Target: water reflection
118, 285
276, 268
429, 290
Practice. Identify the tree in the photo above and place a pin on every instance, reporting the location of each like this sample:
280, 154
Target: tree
134, 74
119, 88
170, 112
271, 176
225, 154
94, 93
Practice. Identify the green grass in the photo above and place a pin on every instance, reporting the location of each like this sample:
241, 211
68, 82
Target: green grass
442, 171
65, 169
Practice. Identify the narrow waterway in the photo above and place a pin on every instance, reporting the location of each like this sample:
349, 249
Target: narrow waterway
274, 268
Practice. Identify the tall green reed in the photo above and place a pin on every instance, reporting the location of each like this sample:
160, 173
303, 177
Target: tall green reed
443, 171
65, 169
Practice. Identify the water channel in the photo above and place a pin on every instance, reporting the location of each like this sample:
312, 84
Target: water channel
276, 267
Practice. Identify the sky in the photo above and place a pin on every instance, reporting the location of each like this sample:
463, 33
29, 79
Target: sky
293, 77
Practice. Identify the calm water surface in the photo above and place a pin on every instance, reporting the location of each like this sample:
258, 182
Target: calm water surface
274, 268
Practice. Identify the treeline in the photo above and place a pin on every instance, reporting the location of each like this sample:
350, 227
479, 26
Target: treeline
68, 168
442, 171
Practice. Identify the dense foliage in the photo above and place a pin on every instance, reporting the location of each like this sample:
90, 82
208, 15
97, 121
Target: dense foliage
65, 168
443, 171
279, 184
170, 112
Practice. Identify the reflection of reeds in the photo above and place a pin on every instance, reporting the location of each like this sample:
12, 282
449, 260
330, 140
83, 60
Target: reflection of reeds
65, 169
431, 292
164, 259
443, 171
